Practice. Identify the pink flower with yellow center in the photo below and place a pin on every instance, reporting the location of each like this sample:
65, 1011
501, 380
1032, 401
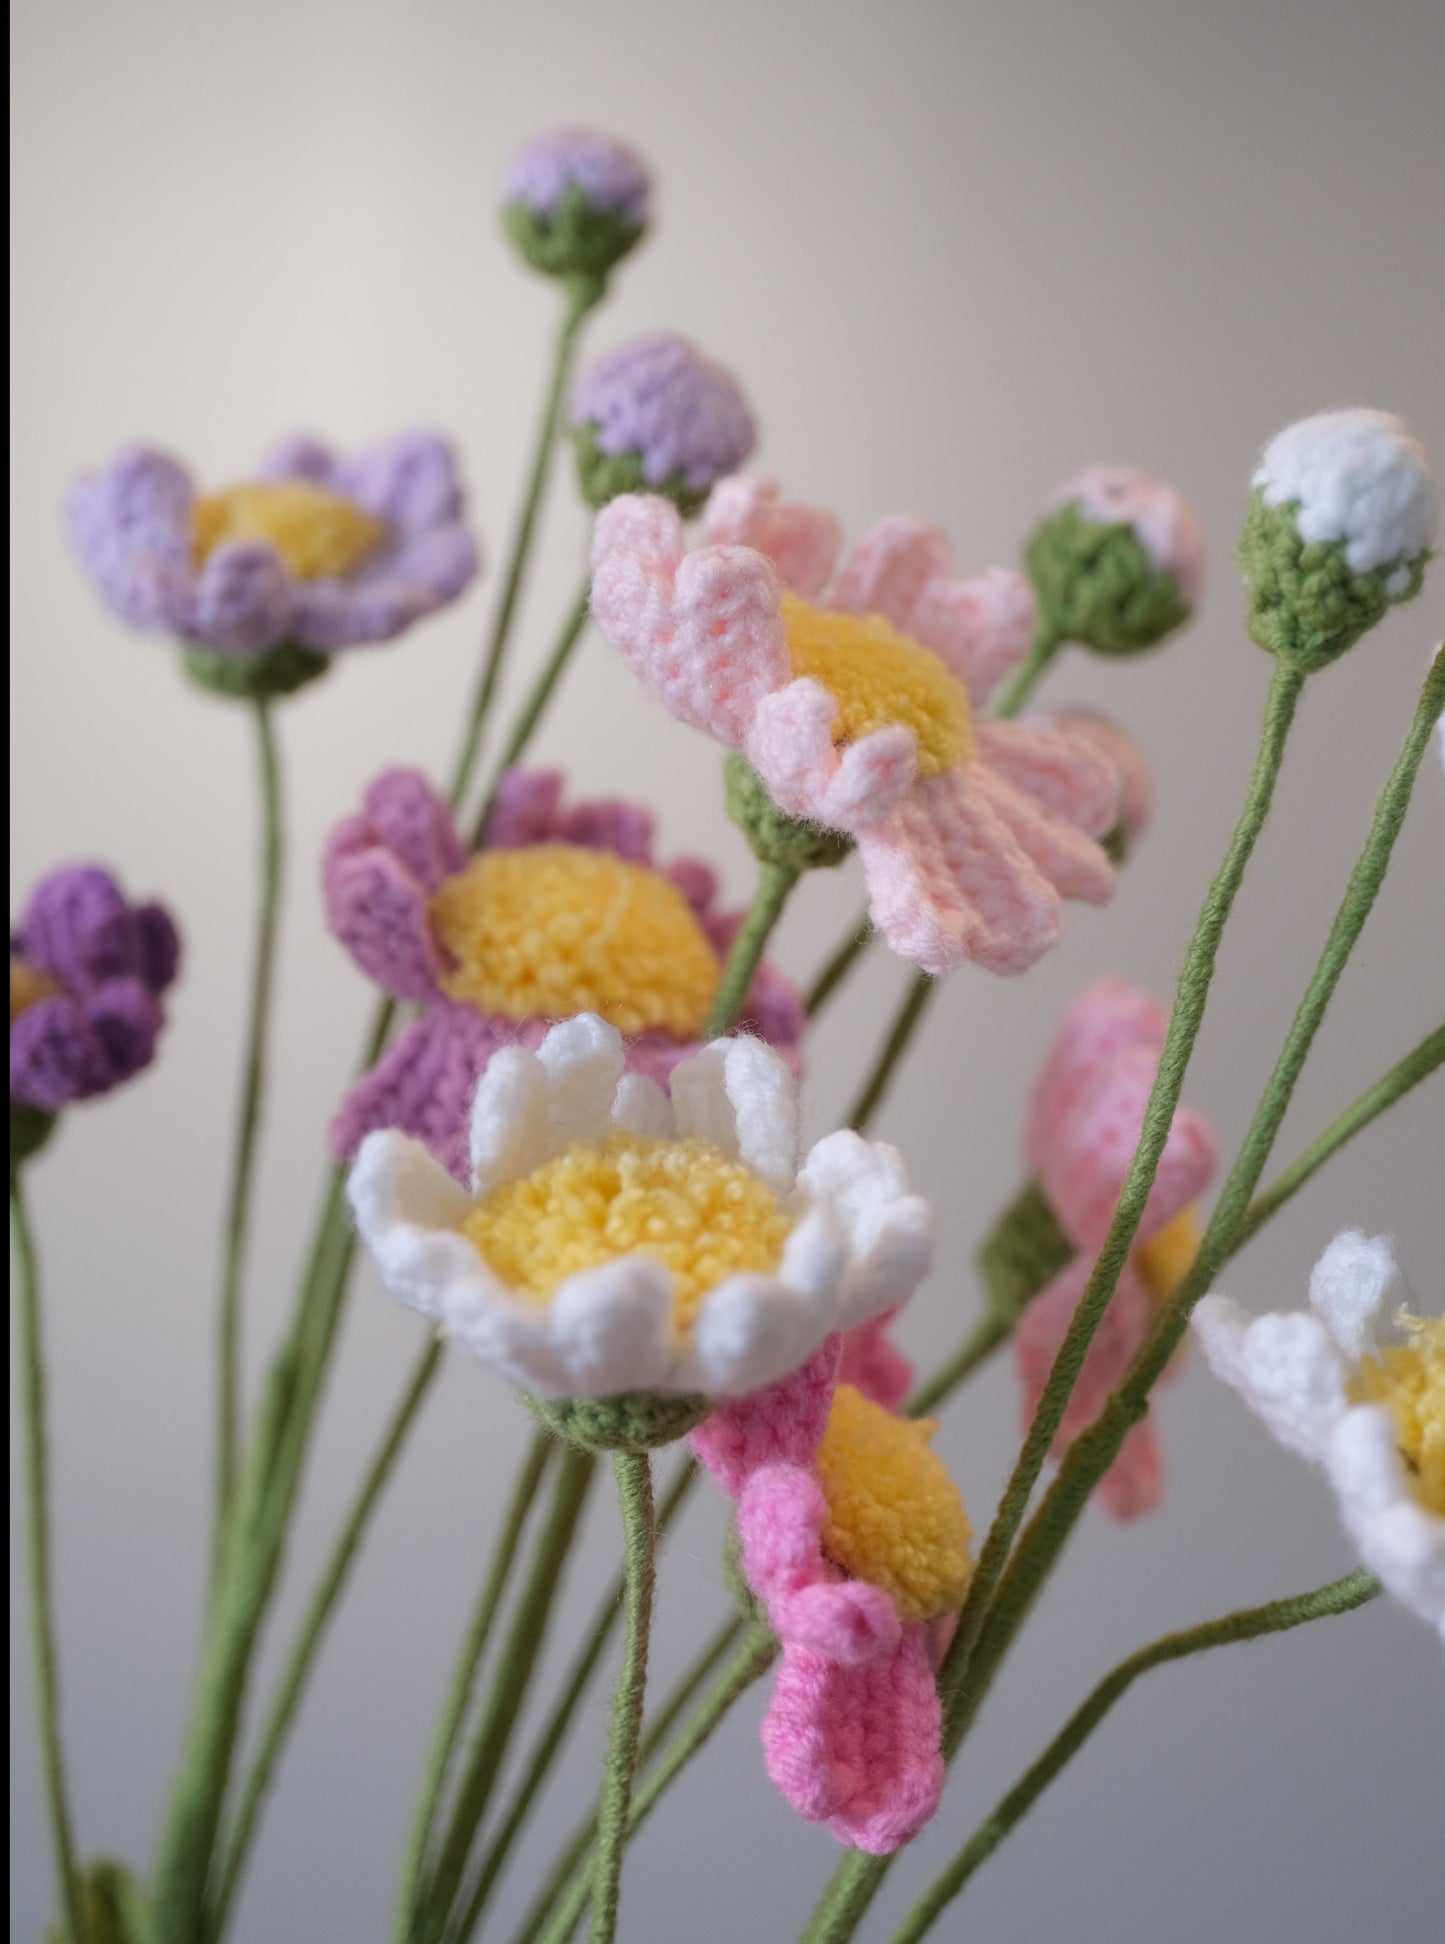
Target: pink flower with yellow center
853, 689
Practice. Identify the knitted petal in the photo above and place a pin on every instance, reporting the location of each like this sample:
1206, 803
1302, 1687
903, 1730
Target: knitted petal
873, 1364
849, 788
1073, 863
781, 1425
1124, 756
781, 1513
1285, 1367
78, 927
1066, 776
1399, 1539
406, 816
130, 524
801, 541
409, 481
1348, 1287
525, 809
980, 626
388, 594
378, 911
888, 567
244, 600
54, 1056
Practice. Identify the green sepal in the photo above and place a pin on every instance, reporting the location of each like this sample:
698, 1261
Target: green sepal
577, 241
773, 836
602, 476
635, 1421
1096, 585
250, 678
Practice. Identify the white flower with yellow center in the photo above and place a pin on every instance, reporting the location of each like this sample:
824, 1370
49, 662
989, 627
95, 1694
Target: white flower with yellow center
620, 1244
1357, 1384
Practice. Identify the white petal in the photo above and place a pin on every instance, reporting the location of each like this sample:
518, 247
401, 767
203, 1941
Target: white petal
1348, 1288
748, 1332
890, 1232
407, 1207
898, 1255
509, 1132
700, 1098
1288, 1371
764, 1099
641, 1107
505, 1332
1399, 1539
611, 1328
584, 1059
814, 1267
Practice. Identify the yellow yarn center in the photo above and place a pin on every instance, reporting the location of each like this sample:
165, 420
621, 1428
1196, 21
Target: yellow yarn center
319, 535
1409, 1380
879, 678
895, 1517
554, 930
1165, 1259
684, 1203
28, 984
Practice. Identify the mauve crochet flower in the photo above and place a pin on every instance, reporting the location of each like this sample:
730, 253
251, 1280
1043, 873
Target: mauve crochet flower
610, 175
680, 420
133, 525
87, 970
381, 873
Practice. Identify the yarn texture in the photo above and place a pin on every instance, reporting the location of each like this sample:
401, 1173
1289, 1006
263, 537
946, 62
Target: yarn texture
575, 202
657, 416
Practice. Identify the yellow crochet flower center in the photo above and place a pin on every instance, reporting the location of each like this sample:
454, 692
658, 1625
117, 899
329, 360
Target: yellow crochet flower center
554, 930
1409, 1380
319, 535
684, 1203
880, 678
28, 985
895, 1517
1165, 1259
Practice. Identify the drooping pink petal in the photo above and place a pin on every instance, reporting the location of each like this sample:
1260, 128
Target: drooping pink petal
801, 541
782, 1424
781, 1514
873, 1363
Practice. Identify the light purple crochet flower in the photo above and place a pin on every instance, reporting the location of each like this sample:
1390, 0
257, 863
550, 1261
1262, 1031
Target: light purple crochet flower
610, 175
382, 869
665, 417
392, 513
87, 970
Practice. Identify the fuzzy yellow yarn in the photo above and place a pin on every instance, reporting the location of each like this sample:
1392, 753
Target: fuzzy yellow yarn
879, 678
554, 930
27, 985
320, 535
682, 1202
1165, 1259
1409, 1380
895, 1517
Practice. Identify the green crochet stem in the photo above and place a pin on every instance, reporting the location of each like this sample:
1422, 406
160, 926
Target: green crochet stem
1021, 684
549, 1742
510, 1681
459, 1689
857, 1879
752, 1660
37, 1538
905, 1024
1392, 1086
1252, 1623
1095, 1450
775, 884
839, 965
525, 727
582, 294
248, 1124
302, 1658
639, 1529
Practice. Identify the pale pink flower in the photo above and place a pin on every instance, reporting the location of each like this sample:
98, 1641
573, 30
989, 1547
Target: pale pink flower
971, 832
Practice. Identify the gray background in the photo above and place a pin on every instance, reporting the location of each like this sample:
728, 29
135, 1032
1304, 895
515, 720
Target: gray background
955, 251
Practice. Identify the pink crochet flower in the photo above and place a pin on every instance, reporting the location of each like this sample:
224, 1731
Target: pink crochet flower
1084, 1122
381, 873
852, 1733
862, 715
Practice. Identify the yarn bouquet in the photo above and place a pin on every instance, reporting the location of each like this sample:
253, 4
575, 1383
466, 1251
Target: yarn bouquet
572, 1140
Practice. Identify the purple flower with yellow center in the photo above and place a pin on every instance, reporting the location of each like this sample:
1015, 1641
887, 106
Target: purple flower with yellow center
565, 909
657, 416
317, 553
575, 202
87, 971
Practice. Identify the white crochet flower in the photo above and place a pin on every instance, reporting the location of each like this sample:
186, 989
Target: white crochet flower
848, 1240
1360, 478
1308, 1374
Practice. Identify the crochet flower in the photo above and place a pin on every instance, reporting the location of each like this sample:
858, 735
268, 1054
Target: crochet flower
87, 971
859, 715
657, 415
1357, 1385
1117, 562
563, 910
575, 202
317, 552
854, 1539
1340, 526
635, 1253
1130, 765
1084, 1122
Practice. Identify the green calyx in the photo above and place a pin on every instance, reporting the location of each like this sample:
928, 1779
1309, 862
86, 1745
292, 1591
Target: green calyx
30, 1129
635, 1421
1022, 1253
249, 678
1096, 585
603, 475
774, 837
577, 241
1306, 603
113, 1906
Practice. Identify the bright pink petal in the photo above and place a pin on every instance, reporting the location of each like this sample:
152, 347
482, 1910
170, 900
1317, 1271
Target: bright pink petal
873, 1363
889, 566
948, 881
981, 626
781, 1514
857, 1747
780, 1425
801, 541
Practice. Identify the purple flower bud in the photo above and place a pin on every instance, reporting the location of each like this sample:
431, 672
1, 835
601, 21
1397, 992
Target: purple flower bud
657, 416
